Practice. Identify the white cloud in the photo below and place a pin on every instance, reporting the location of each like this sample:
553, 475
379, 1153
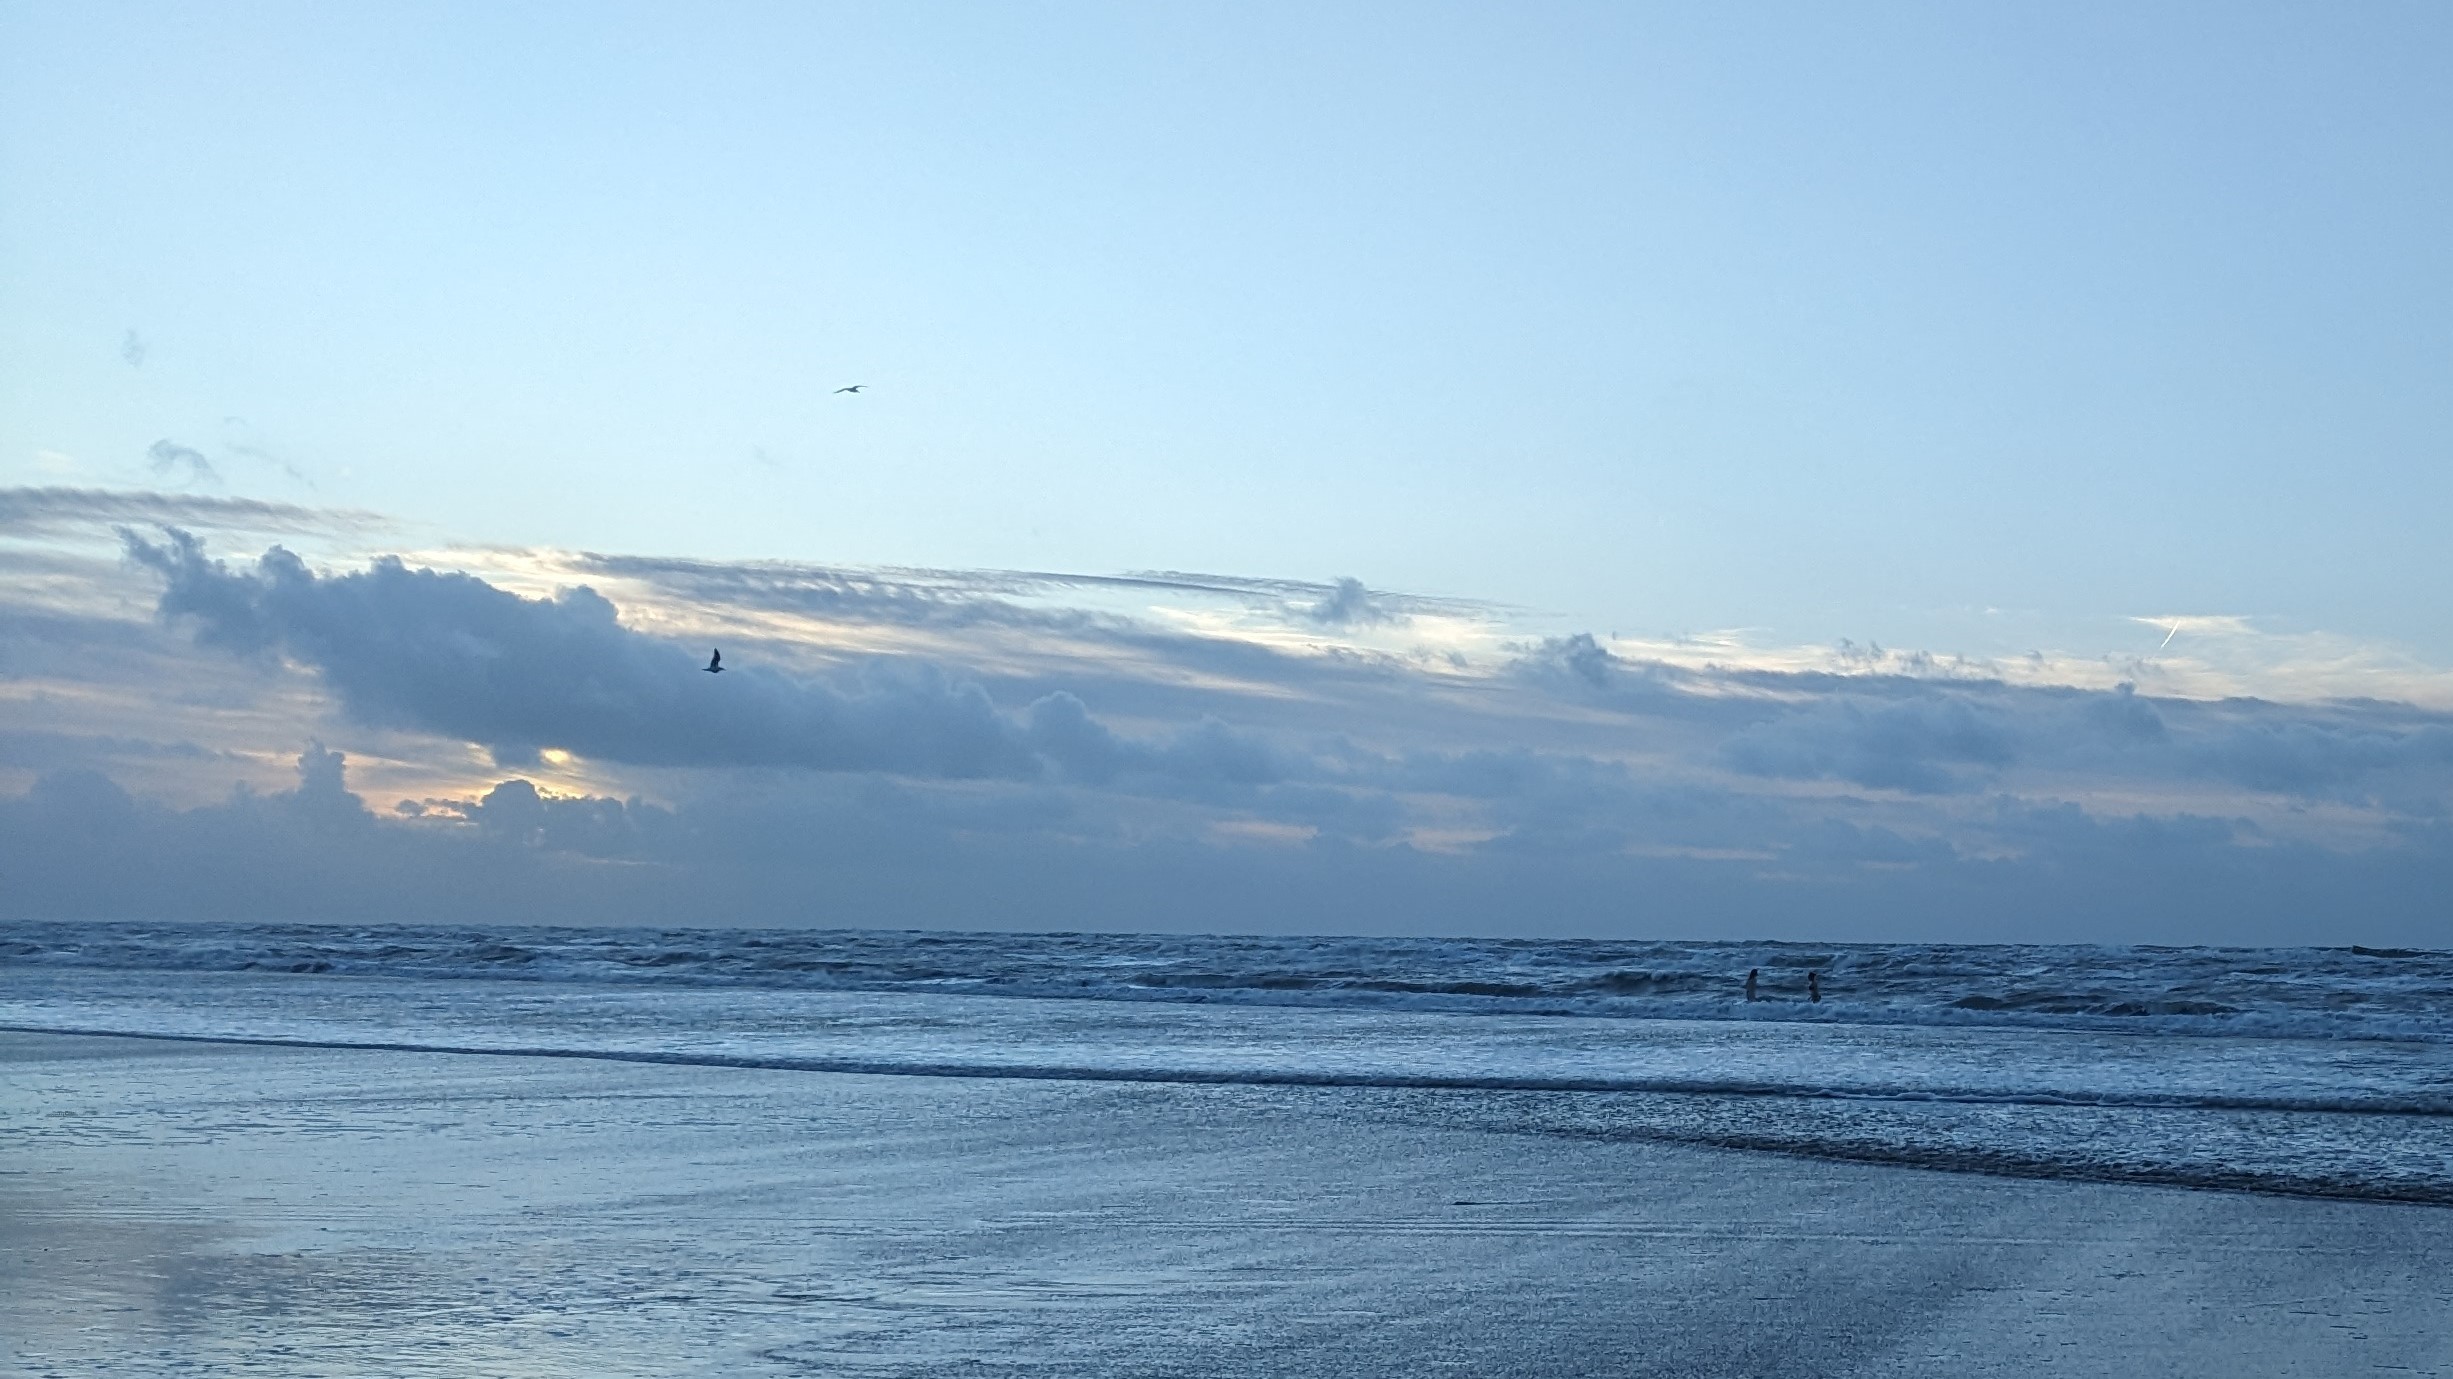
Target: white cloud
988, 727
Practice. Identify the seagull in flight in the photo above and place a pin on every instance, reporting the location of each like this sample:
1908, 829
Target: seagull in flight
853, 389
715, 664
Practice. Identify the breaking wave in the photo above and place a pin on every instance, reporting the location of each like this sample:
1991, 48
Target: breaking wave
2310, 1071
2327, 993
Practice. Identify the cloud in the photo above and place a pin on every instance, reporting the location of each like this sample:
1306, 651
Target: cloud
974, 747
49, 750
169, 458
1349, 604
1346, 593
1579, 656
911, 598
34, 511
846, 850
2174, 625
1928, 745
451, 654
518, 813
1948, 737
971, 597
2341, 753
248, 451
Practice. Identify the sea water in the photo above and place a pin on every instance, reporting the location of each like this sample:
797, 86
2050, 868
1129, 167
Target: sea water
2309, 1071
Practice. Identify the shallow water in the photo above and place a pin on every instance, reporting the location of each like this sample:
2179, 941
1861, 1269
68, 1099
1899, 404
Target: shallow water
2308, 1071
181, 1208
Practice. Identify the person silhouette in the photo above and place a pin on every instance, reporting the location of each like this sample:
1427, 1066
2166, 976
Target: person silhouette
1751, 974
1814, 987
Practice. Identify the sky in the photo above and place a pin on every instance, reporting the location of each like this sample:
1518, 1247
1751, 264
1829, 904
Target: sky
1891, 471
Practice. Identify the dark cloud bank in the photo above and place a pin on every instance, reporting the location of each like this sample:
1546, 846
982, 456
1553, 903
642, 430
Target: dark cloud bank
453, 655
1355, 797
845, 851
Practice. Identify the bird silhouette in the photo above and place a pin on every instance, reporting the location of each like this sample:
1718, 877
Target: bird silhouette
853, 389
715, 664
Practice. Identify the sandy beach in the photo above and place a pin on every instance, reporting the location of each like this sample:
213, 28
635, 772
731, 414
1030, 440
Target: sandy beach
197, 1208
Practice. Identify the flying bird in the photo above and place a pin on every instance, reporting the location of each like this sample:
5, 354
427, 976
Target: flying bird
715, 664
853, 389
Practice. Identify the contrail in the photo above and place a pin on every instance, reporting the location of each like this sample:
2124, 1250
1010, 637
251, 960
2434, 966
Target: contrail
2168, 636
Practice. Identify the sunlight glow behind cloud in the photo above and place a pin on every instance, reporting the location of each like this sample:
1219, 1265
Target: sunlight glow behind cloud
1413, 767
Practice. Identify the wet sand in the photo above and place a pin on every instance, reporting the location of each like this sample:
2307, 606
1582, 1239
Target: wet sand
193, 1208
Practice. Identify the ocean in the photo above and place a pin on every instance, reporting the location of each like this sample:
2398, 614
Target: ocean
2321, 1072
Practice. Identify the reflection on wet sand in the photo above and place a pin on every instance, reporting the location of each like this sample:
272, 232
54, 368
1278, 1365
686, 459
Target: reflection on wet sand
194, 1208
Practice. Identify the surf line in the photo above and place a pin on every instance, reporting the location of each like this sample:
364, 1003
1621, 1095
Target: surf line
1284, 1077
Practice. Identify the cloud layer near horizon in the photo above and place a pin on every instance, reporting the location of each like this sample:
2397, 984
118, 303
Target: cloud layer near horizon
1160, 751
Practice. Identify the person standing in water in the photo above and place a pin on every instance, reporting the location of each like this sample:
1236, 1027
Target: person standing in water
1814, 987
1750, 982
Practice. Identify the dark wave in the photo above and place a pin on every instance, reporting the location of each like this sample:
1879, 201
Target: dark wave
2372, 1105
2012, 1162
2339, 993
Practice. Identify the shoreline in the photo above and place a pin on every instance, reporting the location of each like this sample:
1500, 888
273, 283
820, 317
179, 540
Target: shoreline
1569, 1101
279, 1210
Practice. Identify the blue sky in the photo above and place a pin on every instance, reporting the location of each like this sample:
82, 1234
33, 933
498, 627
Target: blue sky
1738, 339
